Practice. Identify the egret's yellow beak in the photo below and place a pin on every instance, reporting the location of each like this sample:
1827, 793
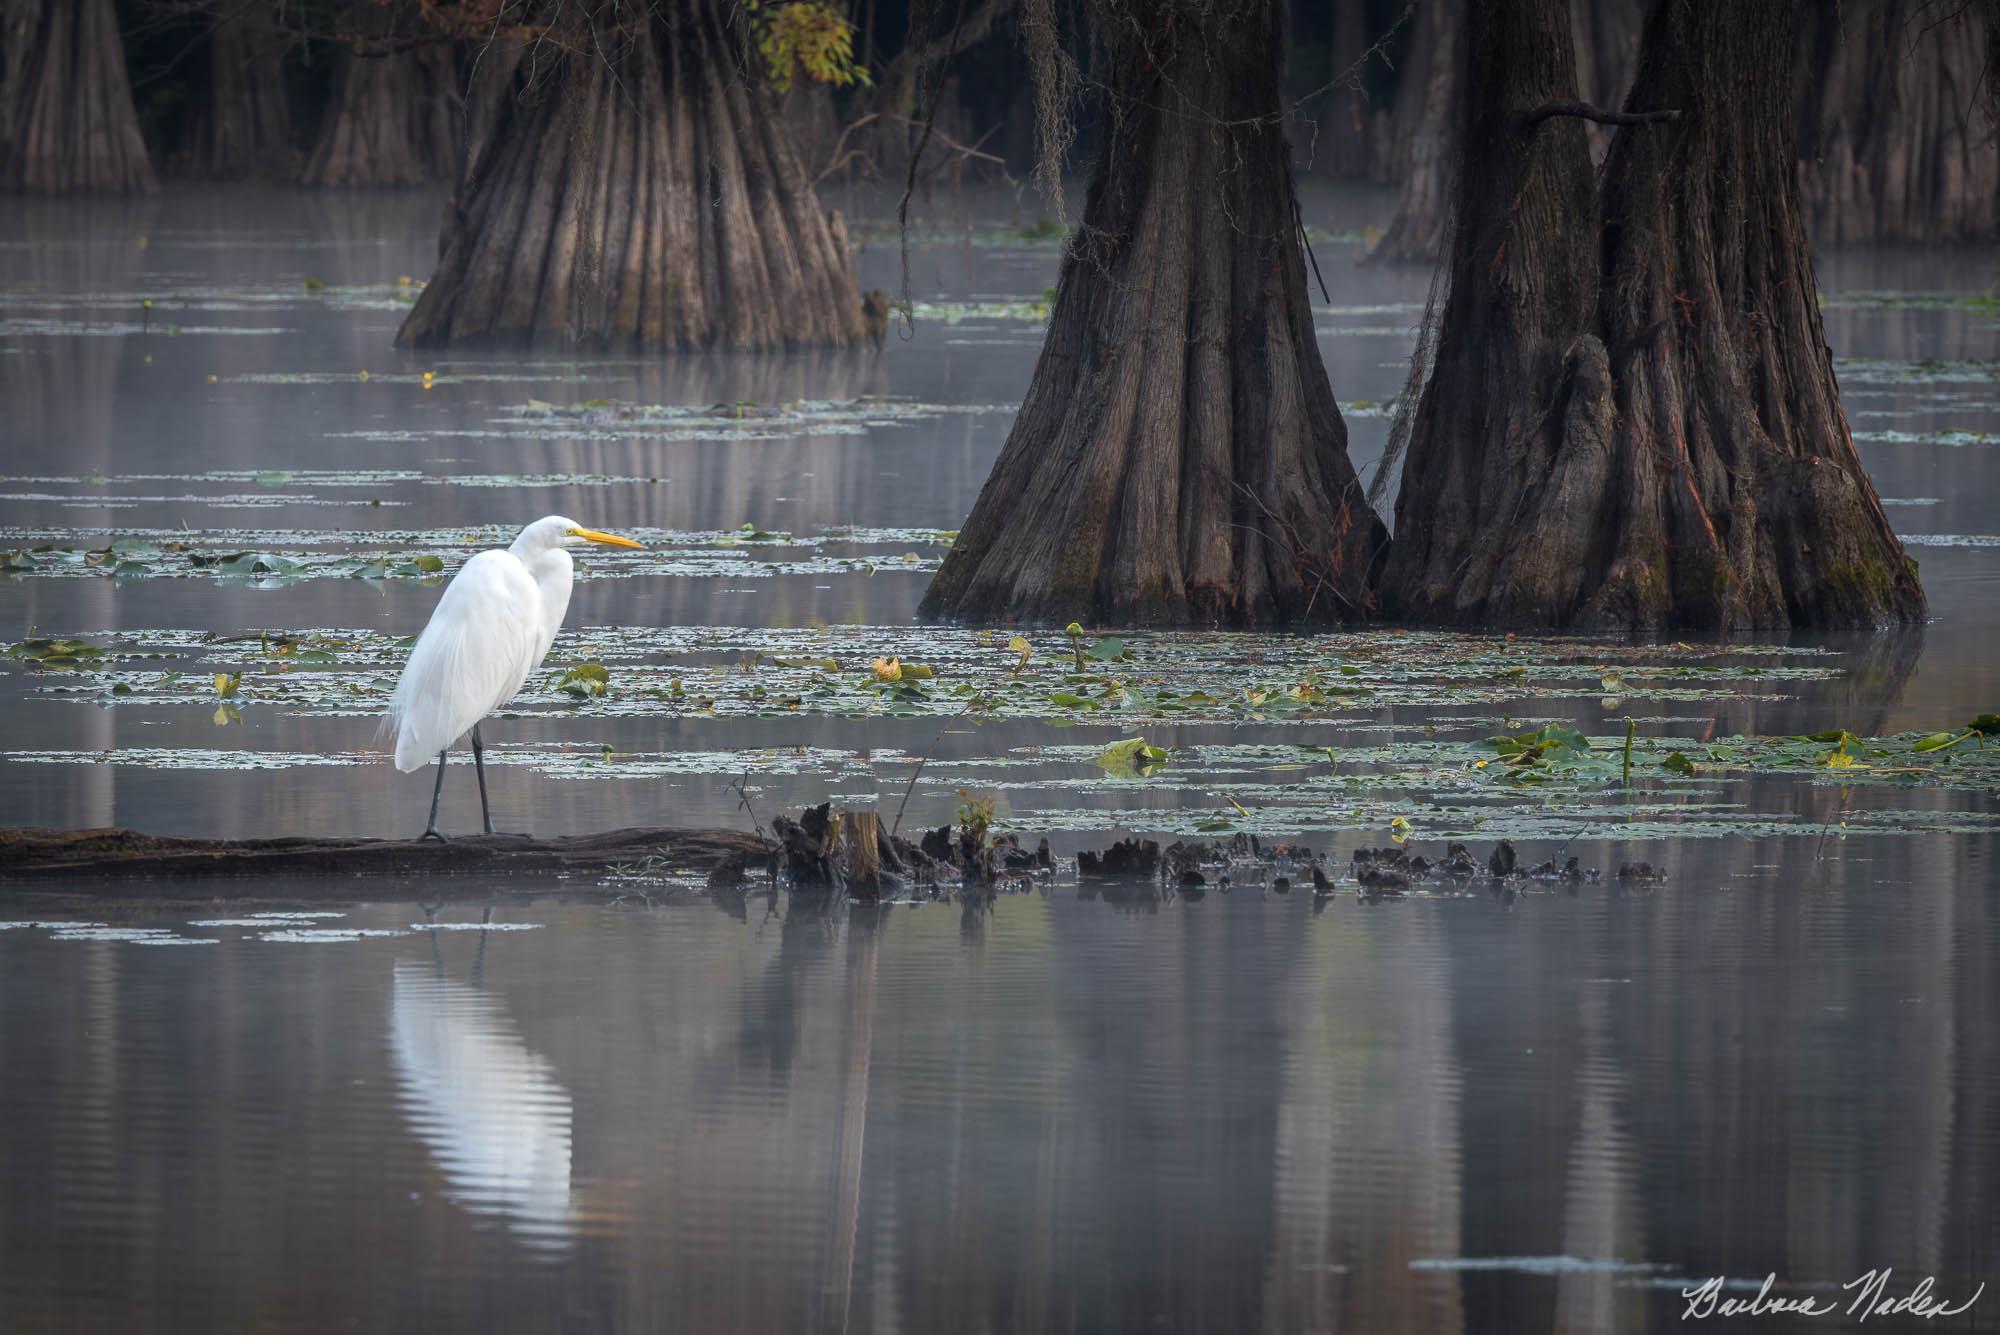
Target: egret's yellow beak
608, 539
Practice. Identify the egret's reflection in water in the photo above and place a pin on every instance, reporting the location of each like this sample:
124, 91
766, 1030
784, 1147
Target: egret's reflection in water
490, 1110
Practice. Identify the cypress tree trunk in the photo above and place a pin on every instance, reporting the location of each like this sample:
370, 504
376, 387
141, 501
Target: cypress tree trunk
393, 119
1741, 499
1892, 146
1699, 473
241, 123
1347, 140
72, 125
1424, 136
1179, 457
650, 199
1495, 465
1607, 55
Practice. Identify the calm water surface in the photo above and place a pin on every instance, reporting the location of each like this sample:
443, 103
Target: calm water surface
1245, 1111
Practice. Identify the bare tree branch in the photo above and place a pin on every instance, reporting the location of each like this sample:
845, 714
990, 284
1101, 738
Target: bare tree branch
1586, 111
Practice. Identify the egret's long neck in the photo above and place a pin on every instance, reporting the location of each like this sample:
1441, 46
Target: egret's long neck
552, 572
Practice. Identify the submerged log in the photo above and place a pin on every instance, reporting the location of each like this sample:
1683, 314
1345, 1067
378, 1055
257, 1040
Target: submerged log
75, 859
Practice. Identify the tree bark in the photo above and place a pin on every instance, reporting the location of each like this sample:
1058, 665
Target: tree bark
1892, 145
1179, 458
71, 119
1490, 467
1745, 503
1424, 135
393, 119
241, 123
1347, 138
1607, 55
1676, 457
648, 199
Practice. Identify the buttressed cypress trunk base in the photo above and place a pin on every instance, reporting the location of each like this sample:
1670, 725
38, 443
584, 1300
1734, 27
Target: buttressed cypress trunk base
643, 195
72, 121
1179, 458
1678, 457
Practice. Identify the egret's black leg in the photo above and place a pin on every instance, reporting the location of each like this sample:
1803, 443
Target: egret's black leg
479, 764
431, 830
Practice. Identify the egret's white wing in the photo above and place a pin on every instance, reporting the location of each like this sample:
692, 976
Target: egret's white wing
473, 656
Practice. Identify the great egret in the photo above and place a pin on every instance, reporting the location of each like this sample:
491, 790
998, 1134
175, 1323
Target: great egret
492, 627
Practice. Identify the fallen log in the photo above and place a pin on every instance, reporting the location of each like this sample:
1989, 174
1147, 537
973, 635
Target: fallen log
75, 857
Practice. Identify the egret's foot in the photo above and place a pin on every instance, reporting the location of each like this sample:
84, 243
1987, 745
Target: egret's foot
432, 834
510, 834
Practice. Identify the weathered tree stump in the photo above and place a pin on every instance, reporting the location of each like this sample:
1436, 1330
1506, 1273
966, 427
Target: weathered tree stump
1128, 859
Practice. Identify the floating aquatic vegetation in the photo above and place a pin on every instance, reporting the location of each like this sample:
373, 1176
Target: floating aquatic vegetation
475, 926
263, 477
1955, 438
327, 935
264, 920
135, 936
1878, 371
1132, 681
1982, 303
1949, 540
600, 419
950, 313
25, 327
198, 758
221, 554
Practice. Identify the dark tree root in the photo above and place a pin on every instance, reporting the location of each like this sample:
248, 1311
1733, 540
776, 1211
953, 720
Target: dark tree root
646, 198
1179, 459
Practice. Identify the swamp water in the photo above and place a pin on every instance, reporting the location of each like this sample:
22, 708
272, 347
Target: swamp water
1543, 1108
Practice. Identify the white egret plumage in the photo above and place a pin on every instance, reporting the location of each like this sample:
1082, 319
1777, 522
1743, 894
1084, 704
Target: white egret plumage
492, 627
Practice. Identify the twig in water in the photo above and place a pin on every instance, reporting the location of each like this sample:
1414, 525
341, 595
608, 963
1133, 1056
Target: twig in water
743, 801
911, 787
